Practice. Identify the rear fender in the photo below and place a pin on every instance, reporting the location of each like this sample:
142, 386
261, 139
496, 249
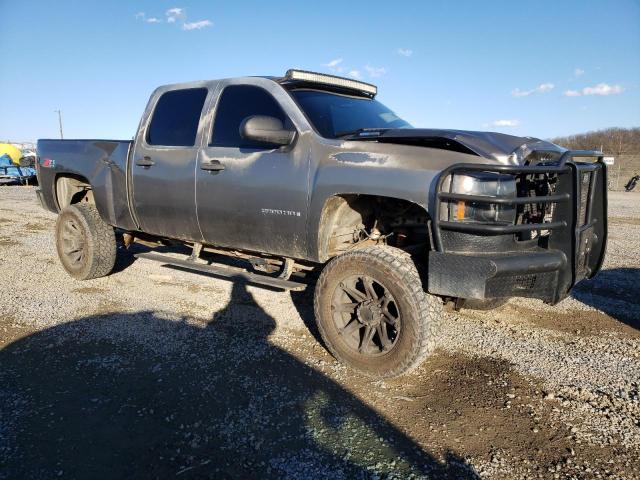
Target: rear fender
98, 165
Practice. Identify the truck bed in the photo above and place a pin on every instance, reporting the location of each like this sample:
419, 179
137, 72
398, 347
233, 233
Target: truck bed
103, 163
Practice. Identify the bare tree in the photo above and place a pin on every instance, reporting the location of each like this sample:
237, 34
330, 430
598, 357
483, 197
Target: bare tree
614, 141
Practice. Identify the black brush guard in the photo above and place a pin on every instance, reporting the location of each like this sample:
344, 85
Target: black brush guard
486, 260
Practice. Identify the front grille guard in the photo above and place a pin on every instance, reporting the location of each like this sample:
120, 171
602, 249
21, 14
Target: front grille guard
566, 209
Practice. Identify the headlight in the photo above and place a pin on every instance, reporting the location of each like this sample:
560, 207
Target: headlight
484, 184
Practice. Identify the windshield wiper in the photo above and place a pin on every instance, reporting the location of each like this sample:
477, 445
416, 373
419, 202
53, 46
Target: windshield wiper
362, 132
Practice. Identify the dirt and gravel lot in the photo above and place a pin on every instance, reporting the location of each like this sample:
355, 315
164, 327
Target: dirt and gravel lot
156, 373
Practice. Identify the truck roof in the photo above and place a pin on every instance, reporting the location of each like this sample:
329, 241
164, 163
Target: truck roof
295, 78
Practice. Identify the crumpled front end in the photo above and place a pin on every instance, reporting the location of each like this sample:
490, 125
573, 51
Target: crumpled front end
499, 147
530, 230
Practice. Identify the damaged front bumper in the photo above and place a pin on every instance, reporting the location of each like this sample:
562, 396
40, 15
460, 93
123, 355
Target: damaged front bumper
534, 275
490, 260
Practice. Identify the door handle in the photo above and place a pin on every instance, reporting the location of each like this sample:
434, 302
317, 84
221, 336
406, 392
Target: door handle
145, 162
212, 166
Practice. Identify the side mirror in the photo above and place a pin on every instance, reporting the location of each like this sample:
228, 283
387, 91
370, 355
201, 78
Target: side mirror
264, 129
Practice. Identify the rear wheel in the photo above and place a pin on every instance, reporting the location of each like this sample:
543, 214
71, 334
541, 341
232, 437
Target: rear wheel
373, 313
86, 244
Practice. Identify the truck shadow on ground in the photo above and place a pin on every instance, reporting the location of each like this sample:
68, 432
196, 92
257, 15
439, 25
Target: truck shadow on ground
614, 292
135, 395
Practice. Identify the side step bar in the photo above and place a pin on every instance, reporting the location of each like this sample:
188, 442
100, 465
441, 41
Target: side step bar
273, 282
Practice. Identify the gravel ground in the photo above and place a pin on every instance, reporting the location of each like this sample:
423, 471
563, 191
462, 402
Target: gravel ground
153, 372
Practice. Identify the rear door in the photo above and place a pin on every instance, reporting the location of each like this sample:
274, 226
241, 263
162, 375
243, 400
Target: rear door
164, 163
258, 199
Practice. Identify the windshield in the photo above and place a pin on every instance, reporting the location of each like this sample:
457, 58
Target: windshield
334, 115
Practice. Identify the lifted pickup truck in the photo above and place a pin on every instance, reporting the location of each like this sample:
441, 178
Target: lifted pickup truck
310, 171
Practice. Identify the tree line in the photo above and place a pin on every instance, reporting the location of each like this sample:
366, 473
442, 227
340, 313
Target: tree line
613, 141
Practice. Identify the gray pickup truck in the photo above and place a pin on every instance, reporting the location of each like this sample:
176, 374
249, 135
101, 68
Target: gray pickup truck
309, 172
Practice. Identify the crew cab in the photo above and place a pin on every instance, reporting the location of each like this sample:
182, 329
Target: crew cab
309, 172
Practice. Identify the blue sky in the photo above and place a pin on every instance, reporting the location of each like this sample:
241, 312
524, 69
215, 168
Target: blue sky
539, 68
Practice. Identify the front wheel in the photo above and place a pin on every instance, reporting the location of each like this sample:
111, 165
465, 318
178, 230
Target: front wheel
86, 244
373, 313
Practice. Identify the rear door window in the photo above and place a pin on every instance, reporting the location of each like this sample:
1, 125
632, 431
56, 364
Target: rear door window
176, 118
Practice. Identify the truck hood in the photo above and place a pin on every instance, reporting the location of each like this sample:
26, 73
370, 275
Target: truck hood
507, 149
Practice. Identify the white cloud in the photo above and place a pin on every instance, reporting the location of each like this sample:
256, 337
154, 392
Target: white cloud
197, 25
503, 123
176, 16
355, 74
545, 87
334, 63
601, 89
578, 72
375, 71
542, 88
405, 52
173, 14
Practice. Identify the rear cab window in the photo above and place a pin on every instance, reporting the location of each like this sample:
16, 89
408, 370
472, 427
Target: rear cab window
176, 118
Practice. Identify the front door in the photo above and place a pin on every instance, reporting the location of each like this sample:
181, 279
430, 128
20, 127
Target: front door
164, 164
257, 199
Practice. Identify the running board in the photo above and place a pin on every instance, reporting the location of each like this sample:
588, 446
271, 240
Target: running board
248, 277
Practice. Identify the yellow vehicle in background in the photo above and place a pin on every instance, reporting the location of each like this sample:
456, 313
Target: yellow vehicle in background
11, 151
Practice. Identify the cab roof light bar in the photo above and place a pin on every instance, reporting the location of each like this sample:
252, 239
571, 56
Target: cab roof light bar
313, 77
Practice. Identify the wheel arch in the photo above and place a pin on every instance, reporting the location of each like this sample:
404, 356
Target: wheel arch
70, 188
342, 213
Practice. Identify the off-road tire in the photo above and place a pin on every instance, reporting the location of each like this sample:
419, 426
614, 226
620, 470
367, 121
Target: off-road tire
97, 237
484, 305
420, 313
